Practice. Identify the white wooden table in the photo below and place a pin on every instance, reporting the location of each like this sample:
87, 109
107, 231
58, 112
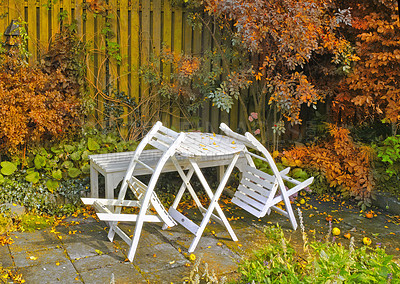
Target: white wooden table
113, 167
197, 146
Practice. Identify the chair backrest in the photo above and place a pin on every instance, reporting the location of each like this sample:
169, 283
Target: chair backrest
241, 138
159, 137
250, 141
163, 137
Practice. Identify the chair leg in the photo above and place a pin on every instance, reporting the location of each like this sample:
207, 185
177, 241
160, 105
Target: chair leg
289, 211
135, 239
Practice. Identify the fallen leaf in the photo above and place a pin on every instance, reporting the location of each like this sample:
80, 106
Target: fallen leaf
99, 252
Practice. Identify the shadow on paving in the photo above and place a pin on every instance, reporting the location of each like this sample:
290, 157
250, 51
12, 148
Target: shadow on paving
78, 251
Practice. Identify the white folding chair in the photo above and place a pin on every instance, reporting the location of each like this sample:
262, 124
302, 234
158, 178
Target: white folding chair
259, 192
165, 140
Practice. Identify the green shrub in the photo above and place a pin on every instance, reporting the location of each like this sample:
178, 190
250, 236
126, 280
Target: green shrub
387, 164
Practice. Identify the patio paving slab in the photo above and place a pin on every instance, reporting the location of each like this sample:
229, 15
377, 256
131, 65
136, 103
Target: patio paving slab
5, 259
32, 241
78, 250
50, 273
119, 272
38, 257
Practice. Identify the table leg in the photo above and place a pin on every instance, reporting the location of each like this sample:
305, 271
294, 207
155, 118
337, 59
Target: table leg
185, 184
220, 172
94, 182
214, 202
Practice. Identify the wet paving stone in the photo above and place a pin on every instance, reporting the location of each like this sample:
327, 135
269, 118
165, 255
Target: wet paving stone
79, 251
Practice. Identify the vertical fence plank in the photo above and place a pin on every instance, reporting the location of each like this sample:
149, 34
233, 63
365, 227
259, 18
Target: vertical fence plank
87, 29
55, 18
124, 44
144, 55
32, 30
177, 48
187, 35
66, 6
100, 65
196, 51
44, 26
123, 33
113, 63
234, 115
156, 44
134, 59
78, 16
16, 10
205, 112
3, 17
167, 41
156, 48
91, 58
187, 49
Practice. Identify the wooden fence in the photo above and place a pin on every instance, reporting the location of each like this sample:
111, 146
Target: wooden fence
140, 28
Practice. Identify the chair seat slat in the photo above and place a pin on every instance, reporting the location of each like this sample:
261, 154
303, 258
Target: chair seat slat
262, 175
239, 202
252, 193
264, 191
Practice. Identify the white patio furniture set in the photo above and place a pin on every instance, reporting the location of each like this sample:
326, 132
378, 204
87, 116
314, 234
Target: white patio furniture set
186, 153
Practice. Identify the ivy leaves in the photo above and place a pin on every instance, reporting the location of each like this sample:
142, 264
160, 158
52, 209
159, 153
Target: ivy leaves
8, 168
63, 161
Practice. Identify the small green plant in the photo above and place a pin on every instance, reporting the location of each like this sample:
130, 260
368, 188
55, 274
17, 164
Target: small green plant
200, 275
31, 221
277, 262
5, 224
387, 164
319, 262
389, 154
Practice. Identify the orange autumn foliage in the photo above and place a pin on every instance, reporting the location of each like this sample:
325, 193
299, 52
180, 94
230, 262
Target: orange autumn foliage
372, 90
33, 108
285, 35
346, 165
